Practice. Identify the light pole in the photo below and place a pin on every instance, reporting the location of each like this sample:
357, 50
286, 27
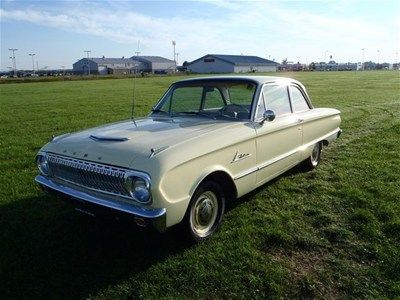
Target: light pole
363, 56
177, 55
33, 62
379, 52
14, 60
88, 63
174, 44
326, 51
137, 63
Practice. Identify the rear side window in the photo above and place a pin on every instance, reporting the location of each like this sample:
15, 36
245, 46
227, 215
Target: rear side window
299, 103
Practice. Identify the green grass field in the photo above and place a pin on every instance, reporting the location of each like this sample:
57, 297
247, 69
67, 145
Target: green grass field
330, 233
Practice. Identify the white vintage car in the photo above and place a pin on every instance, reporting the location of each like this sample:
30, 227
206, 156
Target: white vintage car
207, 141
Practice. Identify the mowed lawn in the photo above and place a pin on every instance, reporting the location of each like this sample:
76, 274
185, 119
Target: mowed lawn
330, 233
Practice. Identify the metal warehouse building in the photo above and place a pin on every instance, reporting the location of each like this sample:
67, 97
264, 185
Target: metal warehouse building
154, 64
103, 65
219, 63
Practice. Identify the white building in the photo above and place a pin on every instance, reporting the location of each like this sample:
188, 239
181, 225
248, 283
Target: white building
219, 63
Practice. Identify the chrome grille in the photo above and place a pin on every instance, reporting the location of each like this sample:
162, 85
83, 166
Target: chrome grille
87, 174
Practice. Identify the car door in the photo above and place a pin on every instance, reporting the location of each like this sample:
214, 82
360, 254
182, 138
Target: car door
278, 140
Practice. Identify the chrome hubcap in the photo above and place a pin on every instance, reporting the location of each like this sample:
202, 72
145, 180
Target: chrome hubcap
204, 213
315, 154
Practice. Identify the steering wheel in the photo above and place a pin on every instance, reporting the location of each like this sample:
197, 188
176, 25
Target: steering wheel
233, 109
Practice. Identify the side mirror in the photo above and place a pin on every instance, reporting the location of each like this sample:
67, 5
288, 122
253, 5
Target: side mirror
269, 115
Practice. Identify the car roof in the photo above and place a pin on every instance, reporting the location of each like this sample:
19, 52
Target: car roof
255, 79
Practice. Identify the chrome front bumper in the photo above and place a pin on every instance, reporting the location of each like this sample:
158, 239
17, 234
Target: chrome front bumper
142, 216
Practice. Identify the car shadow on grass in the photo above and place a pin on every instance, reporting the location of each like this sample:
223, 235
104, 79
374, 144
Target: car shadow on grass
48, 250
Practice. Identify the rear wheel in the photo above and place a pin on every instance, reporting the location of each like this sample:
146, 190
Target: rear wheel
315, 158
205, 211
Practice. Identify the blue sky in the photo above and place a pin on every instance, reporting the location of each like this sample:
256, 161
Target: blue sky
59, 31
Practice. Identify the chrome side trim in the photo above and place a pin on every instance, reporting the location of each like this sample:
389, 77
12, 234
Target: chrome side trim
276, 159
245, 173
283, 156
123, 207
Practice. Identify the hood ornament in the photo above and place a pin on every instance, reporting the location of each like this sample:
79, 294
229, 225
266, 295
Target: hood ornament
155, 151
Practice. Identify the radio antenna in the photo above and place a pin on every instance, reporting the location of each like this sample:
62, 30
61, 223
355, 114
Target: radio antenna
134, 86
133, 100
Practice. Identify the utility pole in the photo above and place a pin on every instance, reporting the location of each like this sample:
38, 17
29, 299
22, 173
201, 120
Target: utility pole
33, 62
88, 63
174, 44
14, 60
326, 51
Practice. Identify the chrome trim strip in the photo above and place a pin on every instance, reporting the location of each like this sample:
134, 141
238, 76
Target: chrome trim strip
276, 159
123, 207
283, 156
248, 172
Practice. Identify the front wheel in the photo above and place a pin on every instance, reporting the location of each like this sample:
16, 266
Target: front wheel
205, 211
315, 158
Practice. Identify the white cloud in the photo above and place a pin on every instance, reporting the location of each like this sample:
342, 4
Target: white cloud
258, 28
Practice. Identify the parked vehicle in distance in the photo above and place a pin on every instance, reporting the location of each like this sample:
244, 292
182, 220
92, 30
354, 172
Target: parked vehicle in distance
207, 141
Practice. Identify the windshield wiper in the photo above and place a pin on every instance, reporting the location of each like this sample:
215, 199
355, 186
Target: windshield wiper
197, 113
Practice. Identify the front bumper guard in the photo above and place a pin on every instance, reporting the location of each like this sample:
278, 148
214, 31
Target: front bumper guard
155, 216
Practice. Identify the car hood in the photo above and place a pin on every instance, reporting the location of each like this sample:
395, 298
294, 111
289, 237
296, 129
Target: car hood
123, 143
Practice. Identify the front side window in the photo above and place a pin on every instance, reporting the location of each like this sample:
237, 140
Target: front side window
277, 99
299, 103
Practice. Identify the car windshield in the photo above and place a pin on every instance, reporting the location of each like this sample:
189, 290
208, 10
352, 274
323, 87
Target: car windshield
214, 99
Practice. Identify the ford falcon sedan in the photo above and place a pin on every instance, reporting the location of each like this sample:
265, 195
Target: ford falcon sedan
206, 142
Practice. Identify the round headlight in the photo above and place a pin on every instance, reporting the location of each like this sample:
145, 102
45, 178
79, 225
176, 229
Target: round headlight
43, 165
141, 190
138, 188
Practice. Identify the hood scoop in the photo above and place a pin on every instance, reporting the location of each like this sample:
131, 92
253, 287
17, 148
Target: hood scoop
102, 138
